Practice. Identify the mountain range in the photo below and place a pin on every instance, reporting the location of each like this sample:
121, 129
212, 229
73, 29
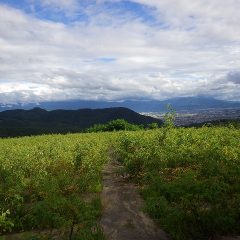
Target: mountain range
179, 104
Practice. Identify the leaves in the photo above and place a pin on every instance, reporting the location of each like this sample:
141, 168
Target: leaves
43, 180
190, 178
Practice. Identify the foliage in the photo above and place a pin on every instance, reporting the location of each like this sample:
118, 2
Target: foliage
169, 117
152, 126
115, 125
189, 177
5, 224
51, 181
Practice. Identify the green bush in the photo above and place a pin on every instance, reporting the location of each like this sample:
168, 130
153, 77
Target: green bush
115, 125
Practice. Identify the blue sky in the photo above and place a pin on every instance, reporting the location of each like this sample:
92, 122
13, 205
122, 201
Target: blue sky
68, 13
115, 49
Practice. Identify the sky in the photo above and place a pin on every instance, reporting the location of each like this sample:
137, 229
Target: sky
112, 50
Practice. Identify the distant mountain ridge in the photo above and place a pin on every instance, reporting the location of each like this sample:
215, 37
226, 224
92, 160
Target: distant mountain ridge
38, 121
179, 104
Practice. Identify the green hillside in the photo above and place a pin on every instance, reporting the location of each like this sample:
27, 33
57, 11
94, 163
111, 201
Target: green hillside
189, 179
19, 122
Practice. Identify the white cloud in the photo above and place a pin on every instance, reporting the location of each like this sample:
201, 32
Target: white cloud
45, 60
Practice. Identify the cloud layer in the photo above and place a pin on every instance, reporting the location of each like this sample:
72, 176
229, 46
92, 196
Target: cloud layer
111, 50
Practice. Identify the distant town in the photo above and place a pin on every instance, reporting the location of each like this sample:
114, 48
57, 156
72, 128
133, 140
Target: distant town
186, 118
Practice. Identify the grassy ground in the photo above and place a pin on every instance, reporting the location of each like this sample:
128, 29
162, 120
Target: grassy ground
189, 179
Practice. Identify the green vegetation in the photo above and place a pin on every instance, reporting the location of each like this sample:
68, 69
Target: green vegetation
115, 125
51, 182
188, 177
120, 125
16, 123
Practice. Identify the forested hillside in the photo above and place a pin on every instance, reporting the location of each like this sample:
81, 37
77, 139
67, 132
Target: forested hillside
39, 121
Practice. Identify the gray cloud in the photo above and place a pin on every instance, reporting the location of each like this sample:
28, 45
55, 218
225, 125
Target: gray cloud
234, 77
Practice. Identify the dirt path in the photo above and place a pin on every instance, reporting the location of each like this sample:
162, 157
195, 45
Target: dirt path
122, 217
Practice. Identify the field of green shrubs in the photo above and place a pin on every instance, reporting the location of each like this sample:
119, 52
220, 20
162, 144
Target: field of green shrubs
51, 182
188, 177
